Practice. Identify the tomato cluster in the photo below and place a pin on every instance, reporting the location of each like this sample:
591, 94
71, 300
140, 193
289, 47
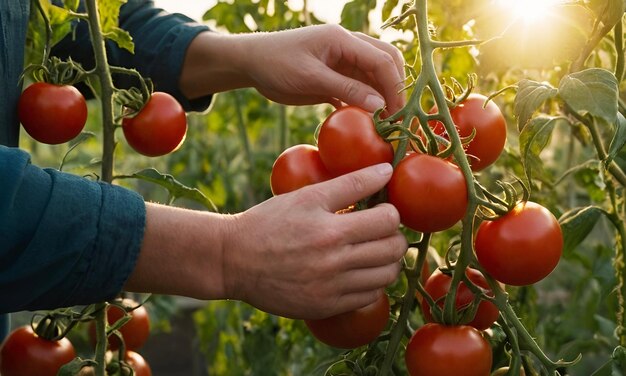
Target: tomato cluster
54, 114
134, 332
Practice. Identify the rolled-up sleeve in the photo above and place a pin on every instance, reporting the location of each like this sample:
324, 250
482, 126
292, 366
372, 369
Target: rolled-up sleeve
161, 40
64, 240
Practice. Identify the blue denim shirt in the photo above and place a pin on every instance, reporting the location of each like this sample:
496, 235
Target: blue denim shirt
66, 240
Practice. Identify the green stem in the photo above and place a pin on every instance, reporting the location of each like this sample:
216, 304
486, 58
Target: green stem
101, 339
106, 87
245, 143
397, 332
618, 32
46, 22
283, 132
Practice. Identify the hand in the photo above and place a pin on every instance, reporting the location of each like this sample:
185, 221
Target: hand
293, 256
309, 65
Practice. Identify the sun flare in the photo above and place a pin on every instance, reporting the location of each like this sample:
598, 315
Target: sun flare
529, 11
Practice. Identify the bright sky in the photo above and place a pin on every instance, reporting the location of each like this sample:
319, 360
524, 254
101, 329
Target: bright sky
326, 10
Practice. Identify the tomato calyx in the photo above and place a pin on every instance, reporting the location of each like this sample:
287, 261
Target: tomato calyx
56, 71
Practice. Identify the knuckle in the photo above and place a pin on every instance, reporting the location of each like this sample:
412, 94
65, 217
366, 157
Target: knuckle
350, 88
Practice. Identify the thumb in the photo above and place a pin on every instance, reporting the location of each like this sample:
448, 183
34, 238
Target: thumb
348, 189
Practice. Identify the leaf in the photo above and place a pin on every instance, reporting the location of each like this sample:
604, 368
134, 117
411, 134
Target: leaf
576, 224
71, 4
533, 139
109, 22
355, 14
619, 139
530, 96
592, 91
174, 187
608, 11
388, 7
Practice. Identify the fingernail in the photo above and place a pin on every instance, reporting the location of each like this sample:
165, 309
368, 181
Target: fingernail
373, 103
384, 169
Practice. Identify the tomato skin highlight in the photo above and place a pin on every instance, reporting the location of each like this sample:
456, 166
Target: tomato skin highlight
438, 285
489, 123
159, 128
52, 114
296, 167
429, 193
439, 350
25, 353
522, 247
348, 141
352, 329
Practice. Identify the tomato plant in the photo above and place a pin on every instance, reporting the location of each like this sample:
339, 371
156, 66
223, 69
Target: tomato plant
296, 167
429, 193
438, 286
348, 141
159, 128
25, 353
474, 114
52, 114
352, 329
439, 350
135, 331
521, 247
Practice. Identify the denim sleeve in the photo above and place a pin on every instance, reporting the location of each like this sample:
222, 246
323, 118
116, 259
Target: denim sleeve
161, 40
64, 240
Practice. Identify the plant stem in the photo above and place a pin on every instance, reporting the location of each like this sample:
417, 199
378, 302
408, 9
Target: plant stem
106, 95
101, 340
247, 150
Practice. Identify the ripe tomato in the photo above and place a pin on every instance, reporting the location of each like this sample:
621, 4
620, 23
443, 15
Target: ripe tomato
52, 114
348, 141
490, 126
439, 350
138, 364
352, 329
25, 353
429, 193
159, 128
522, 247
438, 285
296, 167
135, 332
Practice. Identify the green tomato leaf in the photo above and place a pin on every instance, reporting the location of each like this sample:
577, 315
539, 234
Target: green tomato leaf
355, 14
175, 188
388, 7
71, 4
619, 138
608, 11
533, 139
576, 224
592, 91
109, 21
530, 96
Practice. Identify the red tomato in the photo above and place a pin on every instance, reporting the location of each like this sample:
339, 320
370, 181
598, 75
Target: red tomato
138, 364
296, 167
135, 332
352, 329
438, 350
438, 285
490, 126
159, 128
25, 353
52, 114
429, 193
348, 141
522, 247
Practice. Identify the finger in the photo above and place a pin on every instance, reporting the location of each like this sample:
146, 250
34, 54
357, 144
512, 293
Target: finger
389, 48
360, 280
348, 90
360, 226
345, 190
376, 253
356, 300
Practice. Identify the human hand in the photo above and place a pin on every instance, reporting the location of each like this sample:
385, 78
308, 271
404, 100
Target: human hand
293, 256
309, 65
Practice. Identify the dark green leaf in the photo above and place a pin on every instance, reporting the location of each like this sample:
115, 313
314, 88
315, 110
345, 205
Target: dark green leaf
592, 91
174, 187
533, 139
619, 139
530, 96
576, 224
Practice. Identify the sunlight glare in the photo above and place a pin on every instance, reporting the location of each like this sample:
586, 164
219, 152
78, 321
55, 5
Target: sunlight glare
529, 11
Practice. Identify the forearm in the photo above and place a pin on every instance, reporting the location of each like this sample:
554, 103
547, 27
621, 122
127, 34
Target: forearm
213, 64
181, 253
